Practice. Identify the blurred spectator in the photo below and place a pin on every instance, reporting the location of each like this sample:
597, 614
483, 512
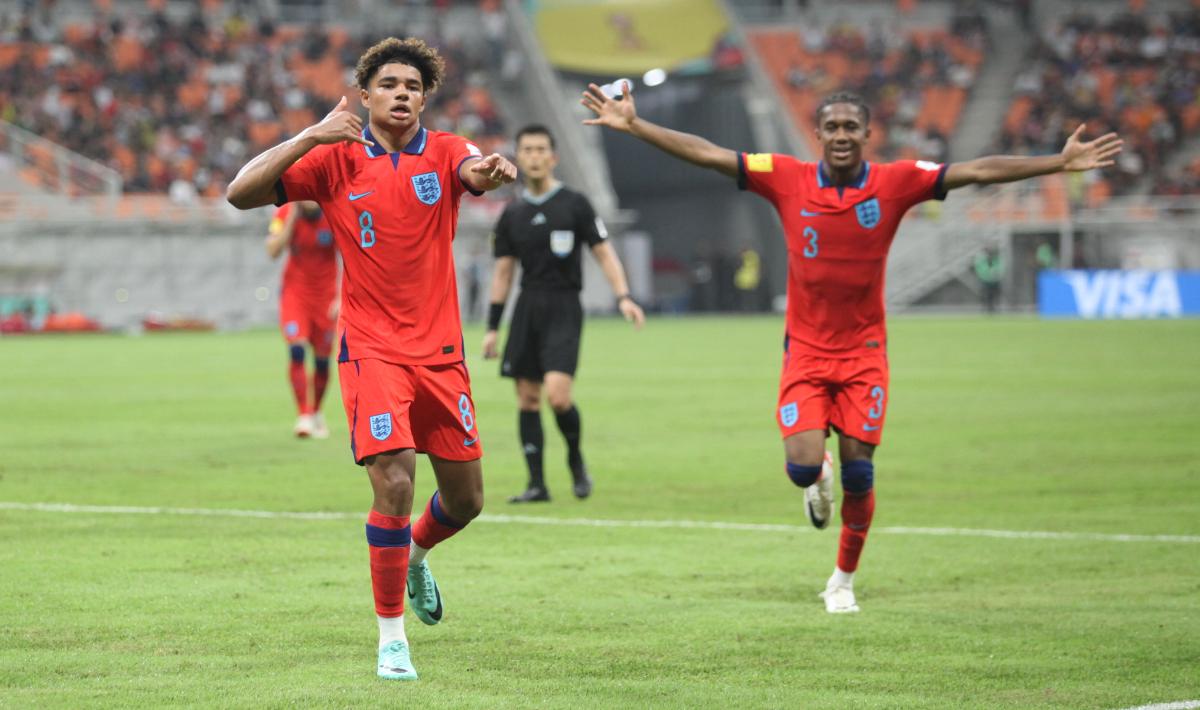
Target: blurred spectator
989, 268
178, 106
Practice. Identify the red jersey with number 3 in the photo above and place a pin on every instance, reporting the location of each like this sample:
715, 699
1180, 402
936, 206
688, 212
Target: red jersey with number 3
837, 241
393, 217
310, 274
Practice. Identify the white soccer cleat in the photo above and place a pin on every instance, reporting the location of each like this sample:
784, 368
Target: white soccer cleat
839, 598
320, 430
304, 426
818, 498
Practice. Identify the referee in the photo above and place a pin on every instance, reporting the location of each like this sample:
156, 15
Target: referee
545, 229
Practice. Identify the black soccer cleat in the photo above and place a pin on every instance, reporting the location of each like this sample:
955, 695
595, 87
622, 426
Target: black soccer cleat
582, 482
533, 494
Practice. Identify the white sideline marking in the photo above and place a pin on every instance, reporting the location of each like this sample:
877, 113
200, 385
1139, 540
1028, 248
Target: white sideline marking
598, 523
1178, 705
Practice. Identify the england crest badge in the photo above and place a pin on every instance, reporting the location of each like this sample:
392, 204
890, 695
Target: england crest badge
381, 425
788, 414
868, 213
428, 187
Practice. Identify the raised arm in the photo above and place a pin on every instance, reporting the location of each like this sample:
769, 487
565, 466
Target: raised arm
1076, 156
502, 278
254, 185
606, 257
622, 116
279, 238
484, 174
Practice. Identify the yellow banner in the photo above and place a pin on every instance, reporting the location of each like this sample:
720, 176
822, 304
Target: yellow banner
627, 37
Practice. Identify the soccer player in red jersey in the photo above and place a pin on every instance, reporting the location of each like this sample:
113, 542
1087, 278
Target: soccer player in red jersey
391, 192
307, 303
839, 218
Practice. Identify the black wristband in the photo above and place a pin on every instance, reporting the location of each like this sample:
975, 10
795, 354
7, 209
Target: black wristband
624, 296
495, 312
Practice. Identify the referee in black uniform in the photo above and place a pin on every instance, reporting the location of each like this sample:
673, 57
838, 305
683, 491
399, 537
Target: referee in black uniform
545, 229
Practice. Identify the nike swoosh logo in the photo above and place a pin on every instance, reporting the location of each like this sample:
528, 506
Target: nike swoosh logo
806, 213
436, 614
469, 442
868, 427
354, 197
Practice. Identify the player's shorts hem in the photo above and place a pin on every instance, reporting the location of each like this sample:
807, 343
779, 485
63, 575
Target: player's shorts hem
874, 438
359, 458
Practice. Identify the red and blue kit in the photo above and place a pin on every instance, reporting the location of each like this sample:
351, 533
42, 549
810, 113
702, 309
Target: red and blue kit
394, 217
309, 281
835, 371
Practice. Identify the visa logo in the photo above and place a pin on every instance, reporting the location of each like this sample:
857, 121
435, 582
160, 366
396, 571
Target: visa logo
1125, 294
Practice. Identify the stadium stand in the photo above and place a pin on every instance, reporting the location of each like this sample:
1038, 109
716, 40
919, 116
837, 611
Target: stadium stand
178, 105
1134, 72
916, 80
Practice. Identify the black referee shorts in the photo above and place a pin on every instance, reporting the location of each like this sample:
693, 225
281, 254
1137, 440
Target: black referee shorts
544, 335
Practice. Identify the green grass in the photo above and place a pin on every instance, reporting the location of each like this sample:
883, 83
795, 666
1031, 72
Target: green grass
1005, 424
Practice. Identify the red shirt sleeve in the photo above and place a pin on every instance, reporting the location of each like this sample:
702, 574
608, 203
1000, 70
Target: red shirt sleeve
461, 150
771, 175
914, 182
309, 178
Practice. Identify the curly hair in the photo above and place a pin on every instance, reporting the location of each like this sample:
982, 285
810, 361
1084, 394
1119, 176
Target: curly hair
411, 51
845, 97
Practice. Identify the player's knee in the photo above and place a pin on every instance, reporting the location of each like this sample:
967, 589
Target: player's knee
322, 365
559, 401
296, 352
858, 477
803, 476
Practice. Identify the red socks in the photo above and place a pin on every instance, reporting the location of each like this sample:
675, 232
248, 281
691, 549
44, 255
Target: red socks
856, 520
388, 537
434, 525
299, 385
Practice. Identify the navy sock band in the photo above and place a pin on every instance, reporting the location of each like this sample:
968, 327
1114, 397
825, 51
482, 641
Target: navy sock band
297, 353
803, 476
858, 477
435, 507
386, 537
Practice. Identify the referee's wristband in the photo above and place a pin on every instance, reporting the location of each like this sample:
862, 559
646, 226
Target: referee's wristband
495, 313
624, 296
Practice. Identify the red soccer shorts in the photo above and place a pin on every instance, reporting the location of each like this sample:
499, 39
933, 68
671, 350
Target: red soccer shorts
427, 408
304, 322
849, 395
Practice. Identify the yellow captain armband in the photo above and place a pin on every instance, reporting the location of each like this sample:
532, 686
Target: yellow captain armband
759, 162
276, 226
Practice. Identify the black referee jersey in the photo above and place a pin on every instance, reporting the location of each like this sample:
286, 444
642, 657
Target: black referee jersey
546, 234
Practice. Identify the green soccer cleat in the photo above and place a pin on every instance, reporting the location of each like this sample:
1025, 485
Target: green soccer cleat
423, 594
394, 663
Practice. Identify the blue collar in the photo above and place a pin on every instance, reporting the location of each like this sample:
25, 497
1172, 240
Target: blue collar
858, 184
542, 198
415, 147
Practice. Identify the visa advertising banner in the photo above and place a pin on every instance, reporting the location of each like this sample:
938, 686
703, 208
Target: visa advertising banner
1119, 294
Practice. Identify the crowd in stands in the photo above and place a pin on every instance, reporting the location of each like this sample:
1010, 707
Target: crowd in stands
180, 106
916, 82
1136, 73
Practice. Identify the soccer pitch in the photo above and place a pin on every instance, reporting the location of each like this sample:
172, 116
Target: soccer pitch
1005, 424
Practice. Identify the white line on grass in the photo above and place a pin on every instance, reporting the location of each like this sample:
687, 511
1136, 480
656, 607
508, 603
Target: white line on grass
1179, 705
598, 523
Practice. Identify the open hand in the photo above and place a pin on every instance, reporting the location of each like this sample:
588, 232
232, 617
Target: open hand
618, 115
1093, 154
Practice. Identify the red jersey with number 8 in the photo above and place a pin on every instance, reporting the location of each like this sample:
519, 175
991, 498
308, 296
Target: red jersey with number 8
393, 217
838, 240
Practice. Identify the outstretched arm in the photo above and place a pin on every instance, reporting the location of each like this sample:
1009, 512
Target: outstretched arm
610, 264
1075, 156
622, 116
484, 174
254, 185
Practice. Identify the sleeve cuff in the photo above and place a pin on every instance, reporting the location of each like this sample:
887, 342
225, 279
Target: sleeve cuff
741, 176
939, 187
280, 193
465, 184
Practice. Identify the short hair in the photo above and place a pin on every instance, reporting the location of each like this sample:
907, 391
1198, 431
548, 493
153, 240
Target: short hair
845, 97
535, 129
411, 51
